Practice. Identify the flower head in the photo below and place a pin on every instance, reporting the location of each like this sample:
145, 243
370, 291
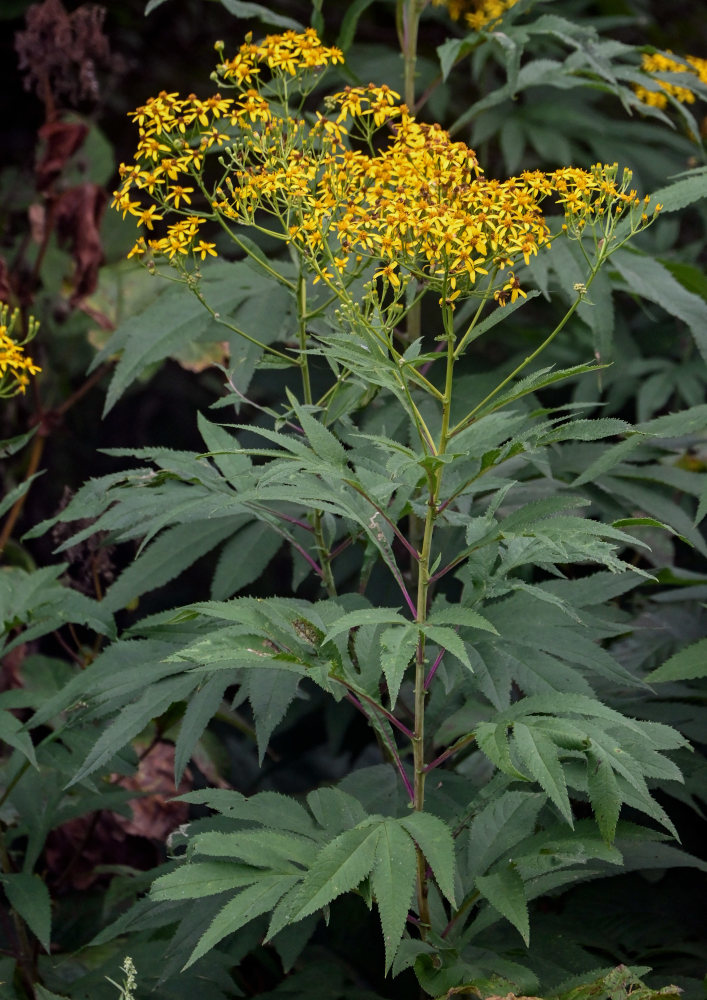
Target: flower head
16, 367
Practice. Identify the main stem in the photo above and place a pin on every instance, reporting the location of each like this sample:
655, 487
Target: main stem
423, 596
316, 515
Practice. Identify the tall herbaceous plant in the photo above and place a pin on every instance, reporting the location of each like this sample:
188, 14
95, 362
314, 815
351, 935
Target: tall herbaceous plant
452, 596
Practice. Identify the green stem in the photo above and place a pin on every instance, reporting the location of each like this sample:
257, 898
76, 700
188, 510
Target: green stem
423, 596
316, 515
467, 338
241, 333
465, 421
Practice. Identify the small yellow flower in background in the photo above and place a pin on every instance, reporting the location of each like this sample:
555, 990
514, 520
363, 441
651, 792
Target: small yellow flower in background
657, 62
16, 367
476, 14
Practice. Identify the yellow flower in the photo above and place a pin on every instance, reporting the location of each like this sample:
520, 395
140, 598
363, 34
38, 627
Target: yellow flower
16, 367
205, 248
657, 62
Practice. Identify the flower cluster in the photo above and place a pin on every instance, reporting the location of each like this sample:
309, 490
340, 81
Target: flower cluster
367, 184
657, 62
15, 366
290, 54
476, 14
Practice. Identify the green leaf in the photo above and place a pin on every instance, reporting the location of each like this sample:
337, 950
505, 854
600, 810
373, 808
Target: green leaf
269, 809
323, 442
398, 645
270, 693
19, 491
248, 904
260, 848
14, 734
539, 755
10, 446
203, 878
29, 898
366, 616
347, 31
173, 320
42, 993
244, 558
689, 189
687, 664
492, 739
434, 838
334, 810
648, 278
201, 708
458, 615
505, 891
500, 825
156, 699
340, 867
258, 12
604, 795
448, 639
392, 882
226, 450
169, 555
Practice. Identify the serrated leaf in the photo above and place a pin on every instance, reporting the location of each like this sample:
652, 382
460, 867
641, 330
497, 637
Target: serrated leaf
505, 891
14, 734
270, 809
539, 755
155, 700
260, 848
448, 639
169, 555
334, 810
588, 430
270, 693
458, 615
201, 708
19, 491
434, 838
397, 647
687, 664
690, 188
366, 616
29, 898
226, 449
340, 867
392, 881
244, 558
173, 320
203, 878
604, 795
492, 740
499, 826
248, 904
648, 278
